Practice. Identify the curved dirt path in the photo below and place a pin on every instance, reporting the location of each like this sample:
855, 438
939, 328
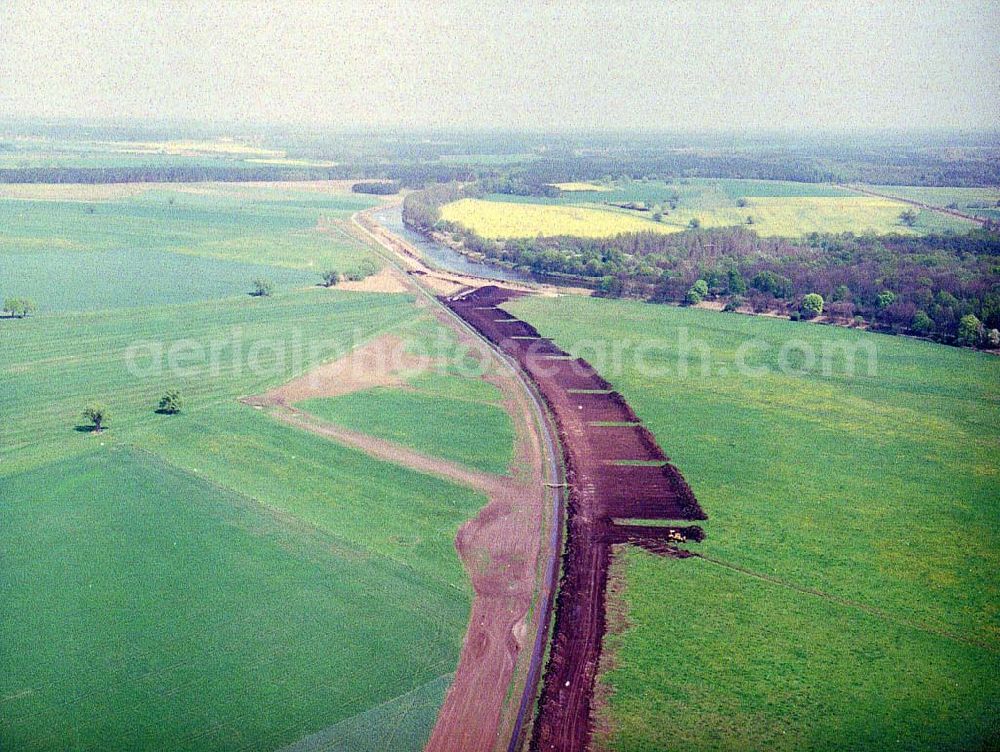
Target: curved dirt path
488, 483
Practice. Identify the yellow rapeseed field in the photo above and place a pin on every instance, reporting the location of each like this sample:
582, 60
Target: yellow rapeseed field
502, 219
772, 217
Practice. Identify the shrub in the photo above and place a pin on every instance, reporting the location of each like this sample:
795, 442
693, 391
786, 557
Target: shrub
737, 285
262, 288
970, 330
331, 277
922, 323
733, 304
366, 268
812, 305
171, 402
841, 309
376, 187
610, 287
18, 307
885, 299
697, 292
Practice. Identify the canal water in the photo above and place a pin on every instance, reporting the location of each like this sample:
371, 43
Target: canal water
391, 217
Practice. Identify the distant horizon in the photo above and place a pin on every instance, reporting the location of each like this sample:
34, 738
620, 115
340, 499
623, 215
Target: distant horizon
153, 123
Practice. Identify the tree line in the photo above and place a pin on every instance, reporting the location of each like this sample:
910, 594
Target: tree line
926, 286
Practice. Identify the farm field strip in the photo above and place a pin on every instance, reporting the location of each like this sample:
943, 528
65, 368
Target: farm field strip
475, 434
369, 534
977, 205
976, 202
497, 219
58, 682
48, 373
853, 594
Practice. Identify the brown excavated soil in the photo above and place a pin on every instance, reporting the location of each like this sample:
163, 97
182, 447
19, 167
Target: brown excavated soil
387, 280
599, 492
383, 361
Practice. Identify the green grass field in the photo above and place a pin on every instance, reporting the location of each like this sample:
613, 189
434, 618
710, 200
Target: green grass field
777, 208
879, 491
56, 363
207, 220
279, 532
475, 433
147, 607
214, 580
118, 279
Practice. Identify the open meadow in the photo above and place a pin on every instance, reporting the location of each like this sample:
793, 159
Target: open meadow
979, 202
851, 551
217, 579
84, 249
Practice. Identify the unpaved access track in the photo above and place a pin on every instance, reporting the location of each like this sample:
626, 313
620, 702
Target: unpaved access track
598, 431
920, 204
510, 549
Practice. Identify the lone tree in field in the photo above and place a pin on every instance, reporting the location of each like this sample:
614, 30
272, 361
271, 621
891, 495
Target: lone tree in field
695, 223
262, 288
331, 277
812, 305
97, 414
19, 307
171, 403
908, 217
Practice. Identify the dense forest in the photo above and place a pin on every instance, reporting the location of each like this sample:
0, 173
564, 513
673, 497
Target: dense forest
946, 287
377, 187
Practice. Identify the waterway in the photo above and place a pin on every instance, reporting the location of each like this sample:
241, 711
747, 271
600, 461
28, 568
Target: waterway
443, 257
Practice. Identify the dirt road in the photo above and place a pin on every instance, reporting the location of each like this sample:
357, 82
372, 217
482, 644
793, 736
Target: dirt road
920, 204
511, 560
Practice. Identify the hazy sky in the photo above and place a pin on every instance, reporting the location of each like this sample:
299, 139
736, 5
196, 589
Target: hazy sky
668, 65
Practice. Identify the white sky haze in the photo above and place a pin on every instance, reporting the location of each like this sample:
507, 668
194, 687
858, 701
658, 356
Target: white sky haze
709, 65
